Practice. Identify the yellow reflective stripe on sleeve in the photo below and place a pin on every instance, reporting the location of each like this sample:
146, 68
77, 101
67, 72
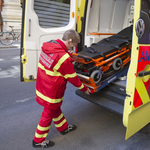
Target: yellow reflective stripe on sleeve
40, 135
43, 128
61, 60
57, 119
47, 98
48, 72
70, 75
61, 124
81, 87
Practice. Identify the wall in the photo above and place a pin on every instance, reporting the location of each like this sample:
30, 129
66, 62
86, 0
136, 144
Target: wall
11, 14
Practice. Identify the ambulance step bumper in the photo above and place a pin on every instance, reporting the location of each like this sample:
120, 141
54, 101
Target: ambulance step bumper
107, 99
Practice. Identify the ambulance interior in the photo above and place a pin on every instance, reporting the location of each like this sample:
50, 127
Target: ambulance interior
108, 16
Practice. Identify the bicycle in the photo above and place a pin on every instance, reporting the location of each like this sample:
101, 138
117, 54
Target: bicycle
6, 38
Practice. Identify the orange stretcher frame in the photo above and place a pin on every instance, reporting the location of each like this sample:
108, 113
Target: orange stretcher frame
94, 33
103, 63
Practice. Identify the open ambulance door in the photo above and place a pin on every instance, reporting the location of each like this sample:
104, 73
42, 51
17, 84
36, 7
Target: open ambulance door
137, 103
43, 21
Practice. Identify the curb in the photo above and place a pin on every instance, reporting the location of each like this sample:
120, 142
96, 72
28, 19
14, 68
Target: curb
10, 46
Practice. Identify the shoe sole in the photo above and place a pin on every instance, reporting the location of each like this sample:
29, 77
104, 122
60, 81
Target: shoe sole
68, 132
39, 146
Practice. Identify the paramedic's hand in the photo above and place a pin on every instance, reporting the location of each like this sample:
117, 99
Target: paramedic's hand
88, 91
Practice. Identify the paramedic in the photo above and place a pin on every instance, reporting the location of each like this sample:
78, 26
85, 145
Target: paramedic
55, 68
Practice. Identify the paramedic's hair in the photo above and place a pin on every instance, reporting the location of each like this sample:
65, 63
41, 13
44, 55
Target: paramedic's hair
71, 34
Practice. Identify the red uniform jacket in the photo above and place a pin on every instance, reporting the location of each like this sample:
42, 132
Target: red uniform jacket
55, 68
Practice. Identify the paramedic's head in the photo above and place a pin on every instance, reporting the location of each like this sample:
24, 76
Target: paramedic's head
71, 38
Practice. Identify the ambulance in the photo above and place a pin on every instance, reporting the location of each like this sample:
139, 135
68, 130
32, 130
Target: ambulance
128, 93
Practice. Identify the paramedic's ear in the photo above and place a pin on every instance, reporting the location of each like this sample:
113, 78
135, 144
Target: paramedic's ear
70, 40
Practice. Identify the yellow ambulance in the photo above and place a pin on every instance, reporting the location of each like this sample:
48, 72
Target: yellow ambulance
46, 20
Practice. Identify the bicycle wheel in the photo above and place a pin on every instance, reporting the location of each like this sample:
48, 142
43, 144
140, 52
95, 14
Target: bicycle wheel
6, 38
19, 37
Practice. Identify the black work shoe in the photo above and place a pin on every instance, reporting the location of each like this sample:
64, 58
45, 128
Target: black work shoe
69, 129
44, 144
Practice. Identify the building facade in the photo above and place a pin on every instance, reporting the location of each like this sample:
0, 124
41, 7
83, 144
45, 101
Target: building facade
11, 14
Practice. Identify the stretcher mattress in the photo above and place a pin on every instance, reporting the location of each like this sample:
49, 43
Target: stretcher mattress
108, 45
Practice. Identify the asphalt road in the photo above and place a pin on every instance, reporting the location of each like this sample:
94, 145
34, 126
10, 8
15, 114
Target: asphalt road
97, 128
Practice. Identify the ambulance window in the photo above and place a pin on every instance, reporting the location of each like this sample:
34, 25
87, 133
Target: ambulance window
145, 6
144, 27
52, 13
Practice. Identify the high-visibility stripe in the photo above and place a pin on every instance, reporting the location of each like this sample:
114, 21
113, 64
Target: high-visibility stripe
43, 128
81, 87
70, 75
61, 60
61, 124
142, 90
40, 135
55, 73
57, 119
47, 98
48, 72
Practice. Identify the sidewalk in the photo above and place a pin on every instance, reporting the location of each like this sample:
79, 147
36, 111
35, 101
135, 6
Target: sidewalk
13, 45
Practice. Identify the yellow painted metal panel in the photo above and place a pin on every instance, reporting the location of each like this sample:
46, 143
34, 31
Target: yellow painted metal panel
131, 78
24, 57
81, 10
136, 118
76, 14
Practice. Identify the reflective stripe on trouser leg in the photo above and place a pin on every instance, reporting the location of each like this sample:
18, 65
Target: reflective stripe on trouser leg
43, 126
60, 121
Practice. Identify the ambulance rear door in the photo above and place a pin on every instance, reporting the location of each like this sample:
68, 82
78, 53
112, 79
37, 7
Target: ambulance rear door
42, 21
137, 103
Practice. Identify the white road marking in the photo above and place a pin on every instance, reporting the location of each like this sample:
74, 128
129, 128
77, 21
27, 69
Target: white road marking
17, 57
12, 72
24, 100
20, 101
16, 67
1, 59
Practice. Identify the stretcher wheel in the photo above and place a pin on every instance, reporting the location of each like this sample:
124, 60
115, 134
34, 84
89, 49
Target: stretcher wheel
117, 64
94, 75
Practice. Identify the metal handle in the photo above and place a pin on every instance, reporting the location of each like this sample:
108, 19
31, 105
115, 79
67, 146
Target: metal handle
29, 27
143, 73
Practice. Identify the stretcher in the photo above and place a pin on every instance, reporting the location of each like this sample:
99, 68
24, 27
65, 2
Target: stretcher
105, 61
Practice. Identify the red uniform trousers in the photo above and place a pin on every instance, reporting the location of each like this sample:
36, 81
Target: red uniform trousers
45, 122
